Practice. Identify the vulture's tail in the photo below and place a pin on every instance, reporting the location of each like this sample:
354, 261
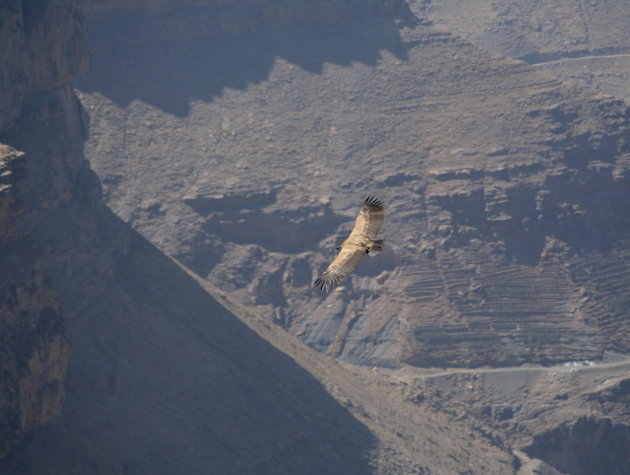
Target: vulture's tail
376, 246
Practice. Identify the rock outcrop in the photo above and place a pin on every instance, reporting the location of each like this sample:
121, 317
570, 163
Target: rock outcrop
34, 347
42, 48
589, 445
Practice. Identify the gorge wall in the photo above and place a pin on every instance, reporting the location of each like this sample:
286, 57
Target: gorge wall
156, 376
247, 155
507, 222
34, 345
42, 49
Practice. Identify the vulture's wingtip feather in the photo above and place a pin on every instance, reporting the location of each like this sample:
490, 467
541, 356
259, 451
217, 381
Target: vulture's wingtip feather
373, 202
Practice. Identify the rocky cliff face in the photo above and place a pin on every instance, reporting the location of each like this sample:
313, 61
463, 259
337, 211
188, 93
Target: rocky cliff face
34, 347
42, 48
161, 378
603, 446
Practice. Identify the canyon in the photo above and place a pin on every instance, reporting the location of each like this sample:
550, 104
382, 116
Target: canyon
169, 192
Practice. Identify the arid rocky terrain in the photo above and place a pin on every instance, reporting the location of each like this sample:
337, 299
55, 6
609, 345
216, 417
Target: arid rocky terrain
164, 226
586, 42
502, 184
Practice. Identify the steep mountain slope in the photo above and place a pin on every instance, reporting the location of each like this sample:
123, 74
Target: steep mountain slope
246, 157
164, 380
161, 378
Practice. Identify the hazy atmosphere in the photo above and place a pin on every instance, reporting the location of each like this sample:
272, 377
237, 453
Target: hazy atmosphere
175, 175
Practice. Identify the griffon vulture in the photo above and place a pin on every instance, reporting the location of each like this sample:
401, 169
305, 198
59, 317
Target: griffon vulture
361, 241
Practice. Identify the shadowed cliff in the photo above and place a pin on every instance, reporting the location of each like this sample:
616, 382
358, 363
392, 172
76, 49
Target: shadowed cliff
164, 380
41, 47
161, 379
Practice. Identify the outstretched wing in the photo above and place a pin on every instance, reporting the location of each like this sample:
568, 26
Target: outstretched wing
370, 219
346, 261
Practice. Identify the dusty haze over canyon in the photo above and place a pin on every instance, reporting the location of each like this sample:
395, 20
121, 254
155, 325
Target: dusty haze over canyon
174, 175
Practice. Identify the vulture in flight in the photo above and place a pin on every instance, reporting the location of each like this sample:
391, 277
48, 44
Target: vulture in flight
362, 241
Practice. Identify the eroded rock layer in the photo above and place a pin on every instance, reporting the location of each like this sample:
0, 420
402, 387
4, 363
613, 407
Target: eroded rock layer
501, 184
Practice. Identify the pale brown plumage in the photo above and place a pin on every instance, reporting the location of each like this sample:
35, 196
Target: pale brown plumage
359, 243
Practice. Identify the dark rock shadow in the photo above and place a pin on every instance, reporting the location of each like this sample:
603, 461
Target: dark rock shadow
170, 74
589, 445
164, 380
241, 218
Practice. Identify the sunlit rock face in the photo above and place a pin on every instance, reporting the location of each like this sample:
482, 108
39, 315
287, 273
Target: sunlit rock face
247, 156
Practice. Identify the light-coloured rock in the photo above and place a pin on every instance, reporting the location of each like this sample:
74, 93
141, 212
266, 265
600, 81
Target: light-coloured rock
585, 42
